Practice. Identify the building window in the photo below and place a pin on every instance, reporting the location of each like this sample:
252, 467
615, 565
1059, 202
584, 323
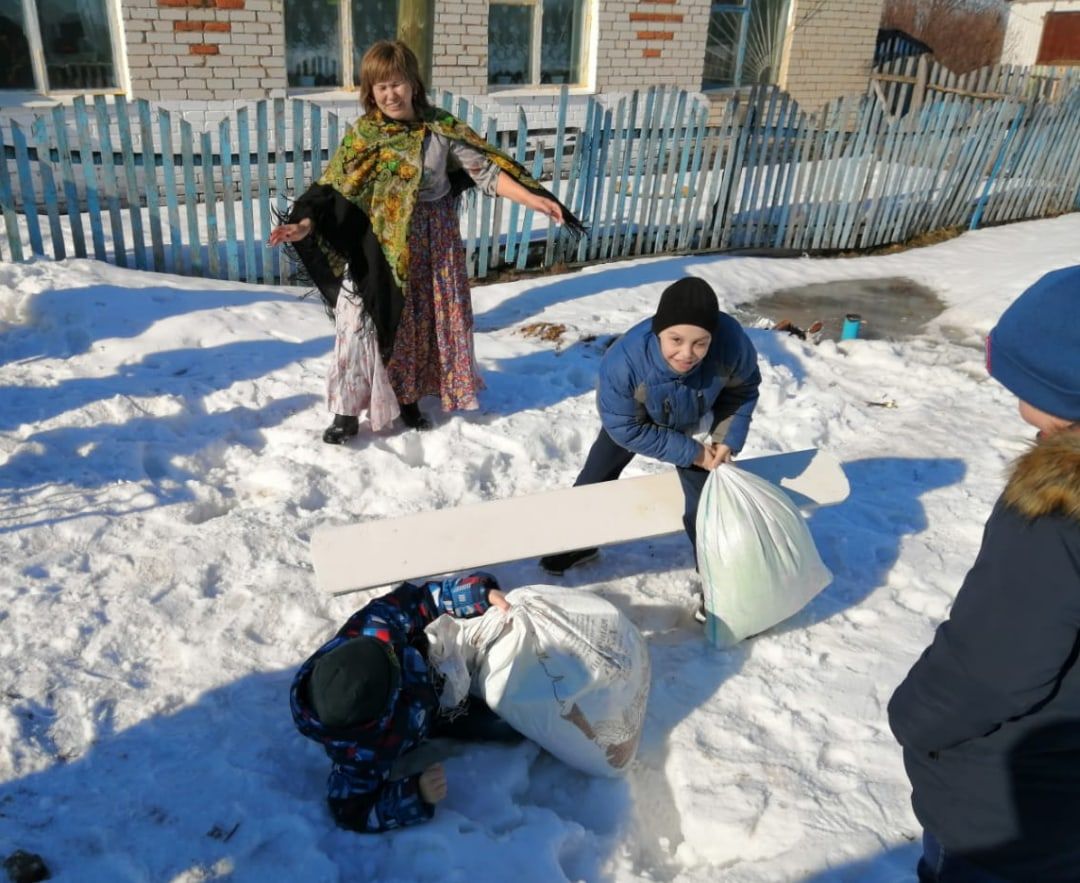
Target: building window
313, 42
535, 42
56, 45
316, 54
745, 42
1060, 43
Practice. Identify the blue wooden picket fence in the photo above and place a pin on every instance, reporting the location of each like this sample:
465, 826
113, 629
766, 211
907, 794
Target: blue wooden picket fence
653, 173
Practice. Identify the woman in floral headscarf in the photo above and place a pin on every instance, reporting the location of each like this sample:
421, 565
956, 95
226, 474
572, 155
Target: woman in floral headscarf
385, 213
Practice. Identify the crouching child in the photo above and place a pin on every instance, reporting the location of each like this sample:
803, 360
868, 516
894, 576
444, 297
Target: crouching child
688, 362
369, 697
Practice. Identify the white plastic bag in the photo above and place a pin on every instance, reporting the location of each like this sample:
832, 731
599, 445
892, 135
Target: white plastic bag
757, 560
564, 667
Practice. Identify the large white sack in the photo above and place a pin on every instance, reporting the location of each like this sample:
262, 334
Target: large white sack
757, 559
563, 666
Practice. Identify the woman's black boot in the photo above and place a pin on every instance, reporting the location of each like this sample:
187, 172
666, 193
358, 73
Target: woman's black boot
341, 430
412, 416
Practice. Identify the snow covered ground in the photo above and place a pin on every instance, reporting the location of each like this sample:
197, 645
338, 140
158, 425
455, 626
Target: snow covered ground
161, 474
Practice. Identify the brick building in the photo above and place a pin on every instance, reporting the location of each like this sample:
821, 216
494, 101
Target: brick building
203, 57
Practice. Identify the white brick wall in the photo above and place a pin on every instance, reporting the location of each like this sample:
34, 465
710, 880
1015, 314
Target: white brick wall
622, 62
205, 50
459, 57
831, 50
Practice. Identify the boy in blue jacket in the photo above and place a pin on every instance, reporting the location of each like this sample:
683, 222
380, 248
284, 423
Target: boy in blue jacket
657, 383
369, 697
989, 716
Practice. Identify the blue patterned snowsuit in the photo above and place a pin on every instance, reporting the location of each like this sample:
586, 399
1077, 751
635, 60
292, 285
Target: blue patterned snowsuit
360, 793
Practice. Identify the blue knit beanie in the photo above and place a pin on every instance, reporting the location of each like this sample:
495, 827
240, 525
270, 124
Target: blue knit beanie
1034, 351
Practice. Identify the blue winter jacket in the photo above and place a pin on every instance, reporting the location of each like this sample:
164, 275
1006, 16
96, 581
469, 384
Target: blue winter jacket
989, 717
360, 793
648, 408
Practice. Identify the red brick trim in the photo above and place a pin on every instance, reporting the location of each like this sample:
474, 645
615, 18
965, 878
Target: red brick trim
656, 35
656, 16
203, 49
228, 4
218, 27
650, 53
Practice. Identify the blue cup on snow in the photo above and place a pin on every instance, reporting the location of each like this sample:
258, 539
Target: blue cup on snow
850, 331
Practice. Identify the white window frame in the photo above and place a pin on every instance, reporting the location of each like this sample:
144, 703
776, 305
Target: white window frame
32, 26
537, 28
587, 40
745, 11
345, 48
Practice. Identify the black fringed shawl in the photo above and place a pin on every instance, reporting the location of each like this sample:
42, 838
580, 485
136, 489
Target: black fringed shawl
362, 205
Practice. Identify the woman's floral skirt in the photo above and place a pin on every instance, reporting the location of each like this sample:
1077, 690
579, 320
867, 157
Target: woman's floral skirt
433, 348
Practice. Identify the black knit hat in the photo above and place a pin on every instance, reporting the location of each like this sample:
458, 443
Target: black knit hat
353, 682
690, 301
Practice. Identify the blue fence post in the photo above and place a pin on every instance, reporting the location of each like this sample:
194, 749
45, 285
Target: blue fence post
247, 197
150, 182
213, 241
26, 189
262, 134
67, 173
280, 159
134, 195
191, 201
108, 175
48, 188
172, 202
7, 204
995, 169
90, 179
228, 201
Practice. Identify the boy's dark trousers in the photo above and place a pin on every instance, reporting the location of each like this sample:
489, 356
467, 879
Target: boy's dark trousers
607, 460
936, 866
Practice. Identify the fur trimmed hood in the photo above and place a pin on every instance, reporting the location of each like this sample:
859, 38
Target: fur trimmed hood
1046, 480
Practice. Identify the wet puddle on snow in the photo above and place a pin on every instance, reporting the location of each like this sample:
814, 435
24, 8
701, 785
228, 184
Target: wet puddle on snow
893, 308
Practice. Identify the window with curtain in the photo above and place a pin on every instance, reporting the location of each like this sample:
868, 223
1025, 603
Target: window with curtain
535, 42
325, 39
70, 40
313, 42
744, 43
17, 72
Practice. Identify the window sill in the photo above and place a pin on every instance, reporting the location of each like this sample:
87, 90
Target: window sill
496, 91
326, 93
24, 98
30, 100
722, 93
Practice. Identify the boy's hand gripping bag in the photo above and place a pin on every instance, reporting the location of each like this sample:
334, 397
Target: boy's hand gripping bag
757, 560
563, 667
